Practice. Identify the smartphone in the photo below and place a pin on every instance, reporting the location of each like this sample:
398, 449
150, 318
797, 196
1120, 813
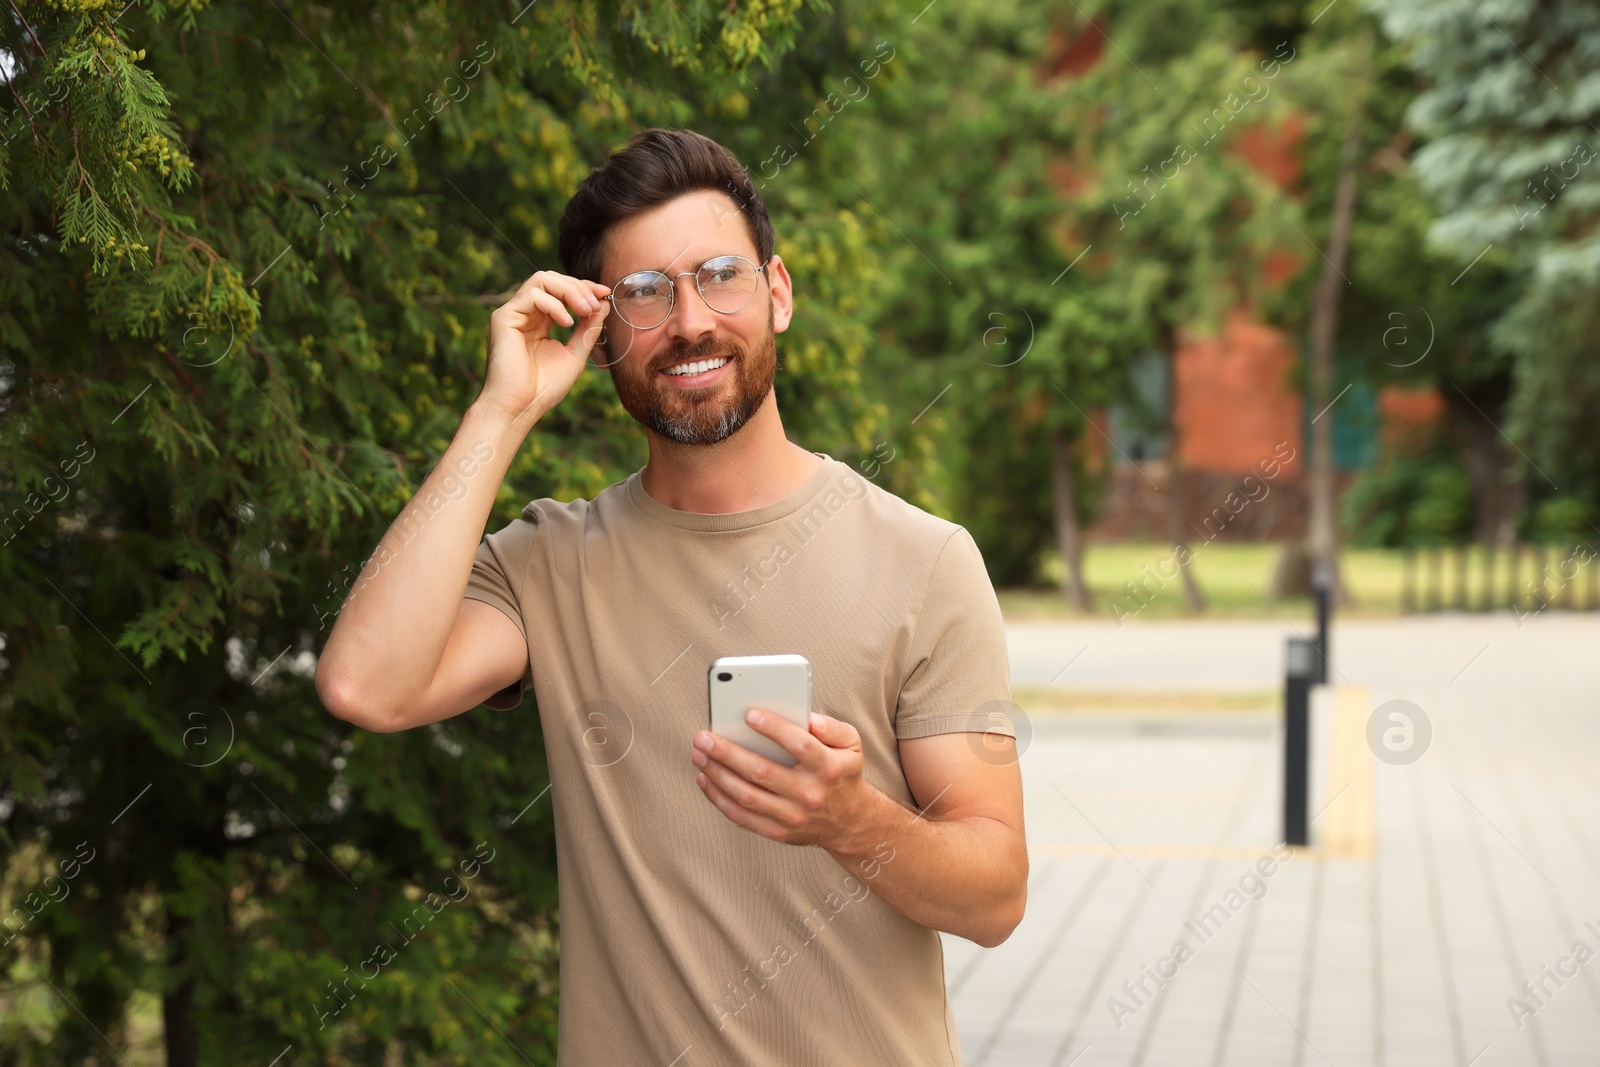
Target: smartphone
779, 684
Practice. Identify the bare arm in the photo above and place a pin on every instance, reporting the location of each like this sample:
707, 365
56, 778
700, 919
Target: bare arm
385, 665
962, 864
407, 648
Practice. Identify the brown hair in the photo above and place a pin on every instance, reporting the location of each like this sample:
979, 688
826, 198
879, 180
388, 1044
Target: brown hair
655, 166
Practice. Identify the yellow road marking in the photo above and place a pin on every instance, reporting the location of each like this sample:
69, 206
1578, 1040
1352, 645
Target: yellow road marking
1347, 825
1166, 852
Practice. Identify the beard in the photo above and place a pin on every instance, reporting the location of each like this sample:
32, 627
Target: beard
704, 416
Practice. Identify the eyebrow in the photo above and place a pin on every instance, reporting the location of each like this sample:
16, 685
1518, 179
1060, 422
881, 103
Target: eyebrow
703, 262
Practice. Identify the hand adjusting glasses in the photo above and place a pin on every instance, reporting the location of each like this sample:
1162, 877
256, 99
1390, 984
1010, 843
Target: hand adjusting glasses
645, 298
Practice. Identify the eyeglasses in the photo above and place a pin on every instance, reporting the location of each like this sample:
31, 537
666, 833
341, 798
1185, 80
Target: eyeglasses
727, 284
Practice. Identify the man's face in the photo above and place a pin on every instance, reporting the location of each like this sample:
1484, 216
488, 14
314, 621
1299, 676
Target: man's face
704, 408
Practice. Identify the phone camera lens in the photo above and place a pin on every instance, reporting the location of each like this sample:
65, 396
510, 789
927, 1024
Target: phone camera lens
724, 676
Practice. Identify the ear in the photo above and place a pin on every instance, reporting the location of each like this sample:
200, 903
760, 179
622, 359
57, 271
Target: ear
782, 289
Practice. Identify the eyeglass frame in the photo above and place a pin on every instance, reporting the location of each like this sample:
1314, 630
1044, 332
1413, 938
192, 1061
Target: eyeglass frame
672, 279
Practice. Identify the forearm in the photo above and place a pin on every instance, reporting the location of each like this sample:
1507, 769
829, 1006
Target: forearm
393, 626
967, 876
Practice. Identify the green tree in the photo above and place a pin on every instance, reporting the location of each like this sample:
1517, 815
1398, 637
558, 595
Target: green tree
250, 253
1510, 162
1030, 214
1165, 112
976, 335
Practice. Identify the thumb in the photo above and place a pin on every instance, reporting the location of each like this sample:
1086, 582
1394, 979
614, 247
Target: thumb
587, 331
832, 732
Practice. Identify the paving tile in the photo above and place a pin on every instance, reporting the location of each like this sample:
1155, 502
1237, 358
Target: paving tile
1480, 868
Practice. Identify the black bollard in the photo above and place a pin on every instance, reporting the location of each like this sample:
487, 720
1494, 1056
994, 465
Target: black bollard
1297, 680
1322, 585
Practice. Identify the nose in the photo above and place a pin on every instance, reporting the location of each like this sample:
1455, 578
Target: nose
691, 318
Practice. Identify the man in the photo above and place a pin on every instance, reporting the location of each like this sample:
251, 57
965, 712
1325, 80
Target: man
716, 906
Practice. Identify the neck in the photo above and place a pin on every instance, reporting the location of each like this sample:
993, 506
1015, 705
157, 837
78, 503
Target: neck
755, 467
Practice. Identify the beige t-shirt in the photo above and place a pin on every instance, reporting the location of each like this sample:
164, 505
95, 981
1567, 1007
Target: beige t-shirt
685, 938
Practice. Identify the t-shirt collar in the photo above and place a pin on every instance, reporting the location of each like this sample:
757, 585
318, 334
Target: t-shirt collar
734, 520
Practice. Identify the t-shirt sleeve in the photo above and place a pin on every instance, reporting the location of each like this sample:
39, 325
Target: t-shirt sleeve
959, 673
499, 571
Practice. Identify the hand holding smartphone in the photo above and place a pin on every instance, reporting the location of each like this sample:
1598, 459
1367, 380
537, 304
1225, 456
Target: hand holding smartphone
780, 684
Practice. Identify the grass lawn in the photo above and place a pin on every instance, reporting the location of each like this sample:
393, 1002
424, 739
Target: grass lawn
1236, 579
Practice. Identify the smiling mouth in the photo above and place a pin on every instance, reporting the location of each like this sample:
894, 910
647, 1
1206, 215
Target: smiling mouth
693, 368
697, 374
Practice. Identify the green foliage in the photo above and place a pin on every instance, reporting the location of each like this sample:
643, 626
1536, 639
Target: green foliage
1409, 312
252, 252
1512, 164
1442, 509
1042, 229
1564, 520
1553, 331
1409, 500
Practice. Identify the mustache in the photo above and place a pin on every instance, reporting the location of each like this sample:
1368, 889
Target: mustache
701, 350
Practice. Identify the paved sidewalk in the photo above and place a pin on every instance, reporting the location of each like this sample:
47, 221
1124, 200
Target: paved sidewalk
1153, 937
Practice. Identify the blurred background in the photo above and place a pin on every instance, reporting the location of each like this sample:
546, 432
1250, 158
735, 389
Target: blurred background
1175, 305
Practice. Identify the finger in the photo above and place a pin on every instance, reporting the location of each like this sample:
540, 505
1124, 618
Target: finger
541, 309
835, 733
796, 741
571, 303
538, 306
736, 814
552, 307
616, 352
574, 296
577, 295
750, 796
588, 332
754, 767
556, 312
546, 279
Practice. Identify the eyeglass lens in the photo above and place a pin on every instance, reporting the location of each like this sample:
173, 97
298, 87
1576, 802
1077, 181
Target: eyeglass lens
645, 299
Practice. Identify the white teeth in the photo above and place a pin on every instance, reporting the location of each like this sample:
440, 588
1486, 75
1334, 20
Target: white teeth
683, 369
